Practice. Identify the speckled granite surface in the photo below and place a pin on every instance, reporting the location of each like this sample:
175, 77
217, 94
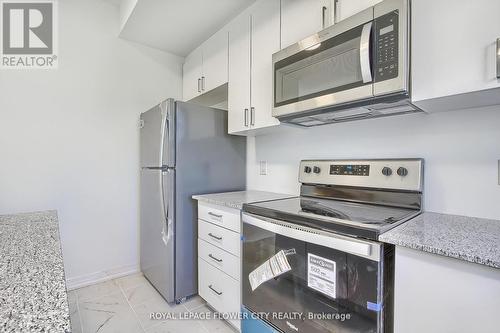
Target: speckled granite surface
33, 294
467, 238
237, 199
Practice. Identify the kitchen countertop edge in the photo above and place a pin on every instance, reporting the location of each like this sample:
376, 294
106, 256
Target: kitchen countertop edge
470, 239
236, 199
33, 278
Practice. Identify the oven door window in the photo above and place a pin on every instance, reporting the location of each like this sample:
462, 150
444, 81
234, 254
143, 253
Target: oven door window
333, 290
333, 65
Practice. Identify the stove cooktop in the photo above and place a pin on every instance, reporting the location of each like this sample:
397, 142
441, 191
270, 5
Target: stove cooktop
348, 218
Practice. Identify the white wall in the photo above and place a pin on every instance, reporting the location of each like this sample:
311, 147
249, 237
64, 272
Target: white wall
460, 148
69, 137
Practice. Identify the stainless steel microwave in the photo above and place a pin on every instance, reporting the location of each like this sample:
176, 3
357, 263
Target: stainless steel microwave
355, 69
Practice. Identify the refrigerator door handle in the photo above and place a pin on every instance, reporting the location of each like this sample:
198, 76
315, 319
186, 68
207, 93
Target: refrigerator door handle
164, 208
165, 227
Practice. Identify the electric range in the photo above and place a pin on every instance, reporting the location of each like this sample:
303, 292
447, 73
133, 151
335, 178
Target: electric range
334, 264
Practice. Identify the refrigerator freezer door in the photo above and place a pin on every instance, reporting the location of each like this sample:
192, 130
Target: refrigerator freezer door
168, 110
157, 137
157, 241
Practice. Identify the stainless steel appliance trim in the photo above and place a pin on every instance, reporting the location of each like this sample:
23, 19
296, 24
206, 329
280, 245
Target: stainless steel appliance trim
164, 131
252, 116
376, 180
358, 94
400, 83
410, 200
364, 53
498, 58
362, 248
332, 31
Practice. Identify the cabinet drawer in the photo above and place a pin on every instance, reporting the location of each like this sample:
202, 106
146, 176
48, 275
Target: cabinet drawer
225, 239
226, 262
220, 290
225, 217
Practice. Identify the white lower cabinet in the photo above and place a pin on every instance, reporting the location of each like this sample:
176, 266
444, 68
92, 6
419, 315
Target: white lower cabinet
436, 294
219, 262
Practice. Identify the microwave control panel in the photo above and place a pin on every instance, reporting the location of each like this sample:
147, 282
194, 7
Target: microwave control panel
386, 44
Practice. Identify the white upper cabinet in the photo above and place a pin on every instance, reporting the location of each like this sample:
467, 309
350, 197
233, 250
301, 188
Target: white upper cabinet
346, 8
215, 61
206, 67
253, 37
453, 47
265, 41
192, 73
302, 18
239, 74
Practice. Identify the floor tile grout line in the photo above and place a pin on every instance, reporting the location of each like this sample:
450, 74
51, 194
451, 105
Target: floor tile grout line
78, 313
131, 307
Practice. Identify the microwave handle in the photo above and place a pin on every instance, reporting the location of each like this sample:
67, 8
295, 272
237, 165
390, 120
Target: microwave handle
364, 53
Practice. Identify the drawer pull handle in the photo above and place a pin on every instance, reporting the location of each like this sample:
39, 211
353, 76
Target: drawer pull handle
214, 258
215, 215
215, 237
215, 291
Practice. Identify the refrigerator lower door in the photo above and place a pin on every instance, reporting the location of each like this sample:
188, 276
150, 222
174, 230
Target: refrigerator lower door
157, 239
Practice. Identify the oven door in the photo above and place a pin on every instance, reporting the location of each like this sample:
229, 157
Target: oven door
326, 69
335, 283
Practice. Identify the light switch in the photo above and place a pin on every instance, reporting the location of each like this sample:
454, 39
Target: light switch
263, 168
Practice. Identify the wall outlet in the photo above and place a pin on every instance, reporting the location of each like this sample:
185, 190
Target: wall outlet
263, 168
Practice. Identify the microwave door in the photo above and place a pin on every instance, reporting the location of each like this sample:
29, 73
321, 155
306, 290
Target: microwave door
327, 69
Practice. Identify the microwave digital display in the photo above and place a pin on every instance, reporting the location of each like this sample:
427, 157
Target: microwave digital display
386, 30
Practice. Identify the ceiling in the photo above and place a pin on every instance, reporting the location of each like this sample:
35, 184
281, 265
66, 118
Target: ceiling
178, 26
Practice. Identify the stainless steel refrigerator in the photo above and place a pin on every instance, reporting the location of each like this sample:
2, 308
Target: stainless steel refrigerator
185, 150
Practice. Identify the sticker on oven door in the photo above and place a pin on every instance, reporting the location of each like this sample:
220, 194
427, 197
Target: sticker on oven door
322, 275
271, 268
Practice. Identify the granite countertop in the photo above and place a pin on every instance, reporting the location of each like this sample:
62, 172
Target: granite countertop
33, 294
471, 239
237, 199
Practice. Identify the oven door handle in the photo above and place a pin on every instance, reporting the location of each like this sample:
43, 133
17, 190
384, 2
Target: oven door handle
364, 53
363, 248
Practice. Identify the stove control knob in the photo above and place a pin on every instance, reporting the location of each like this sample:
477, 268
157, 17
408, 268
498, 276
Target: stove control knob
386, 171
402, 172
307, 169
316, 169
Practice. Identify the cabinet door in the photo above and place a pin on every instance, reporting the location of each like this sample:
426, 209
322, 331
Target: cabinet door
215, 59
453, 47
346, 8
191, 71
265, 39
430, 290
239, 73
302, 18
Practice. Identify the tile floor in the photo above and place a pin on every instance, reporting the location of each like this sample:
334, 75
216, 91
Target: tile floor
124, 305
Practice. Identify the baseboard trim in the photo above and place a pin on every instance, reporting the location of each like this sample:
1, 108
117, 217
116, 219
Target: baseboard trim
97, 277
